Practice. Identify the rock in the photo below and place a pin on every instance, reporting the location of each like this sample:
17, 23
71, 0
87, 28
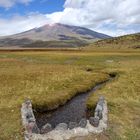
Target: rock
94, 121
100, 115
31, 120
101, 98
28, 102
28, 118
61, 126
29, 115
72, 125
32, 128
101, 102
35, 129
83, 123
46, 128
98, 108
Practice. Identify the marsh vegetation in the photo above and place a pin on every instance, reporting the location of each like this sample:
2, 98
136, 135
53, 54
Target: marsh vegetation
51, 78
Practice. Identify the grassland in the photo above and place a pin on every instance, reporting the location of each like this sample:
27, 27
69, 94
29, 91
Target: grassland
50, 78
131, 41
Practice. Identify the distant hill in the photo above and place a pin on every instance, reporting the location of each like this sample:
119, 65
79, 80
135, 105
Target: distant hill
53, 35
127, 41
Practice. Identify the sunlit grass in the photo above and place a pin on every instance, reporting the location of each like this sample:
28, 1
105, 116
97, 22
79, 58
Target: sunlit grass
123, 96
49, 79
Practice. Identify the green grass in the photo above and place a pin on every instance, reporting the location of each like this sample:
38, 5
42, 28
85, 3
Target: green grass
50, 78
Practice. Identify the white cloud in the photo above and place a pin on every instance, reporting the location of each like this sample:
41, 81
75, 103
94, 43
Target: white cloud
21, 23
94, 14
113, 17
9, 3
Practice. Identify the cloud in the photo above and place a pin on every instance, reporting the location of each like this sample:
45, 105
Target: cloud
101, 15
113, 17
21, 23
9, 3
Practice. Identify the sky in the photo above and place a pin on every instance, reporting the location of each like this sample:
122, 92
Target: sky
112, 17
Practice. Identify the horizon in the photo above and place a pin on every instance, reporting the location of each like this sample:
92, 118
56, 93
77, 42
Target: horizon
52, 24
23, 15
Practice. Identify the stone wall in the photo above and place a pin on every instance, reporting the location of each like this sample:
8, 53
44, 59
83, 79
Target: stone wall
28, 120
95, 124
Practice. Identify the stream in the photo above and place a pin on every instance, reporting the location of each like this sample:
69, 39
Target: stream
73, 111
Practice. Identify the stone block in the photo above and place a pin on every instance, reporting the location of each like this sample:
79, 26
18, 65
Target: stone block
83, 123
61, 126
72, 125
94, 121
46, 128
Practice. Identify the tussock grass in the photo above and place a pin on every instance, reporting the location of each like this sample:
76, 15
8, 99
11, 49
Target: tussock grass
123, 96
51, 78
131, 42
48, 85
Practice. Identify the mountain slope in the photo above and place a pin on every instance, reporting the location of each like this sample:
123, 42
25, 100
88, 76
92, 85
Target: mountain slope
59, 33
126, 41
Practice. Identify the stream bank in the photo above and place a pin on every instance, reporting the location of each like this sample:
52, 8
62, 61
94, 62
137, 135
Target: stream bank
73, 111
